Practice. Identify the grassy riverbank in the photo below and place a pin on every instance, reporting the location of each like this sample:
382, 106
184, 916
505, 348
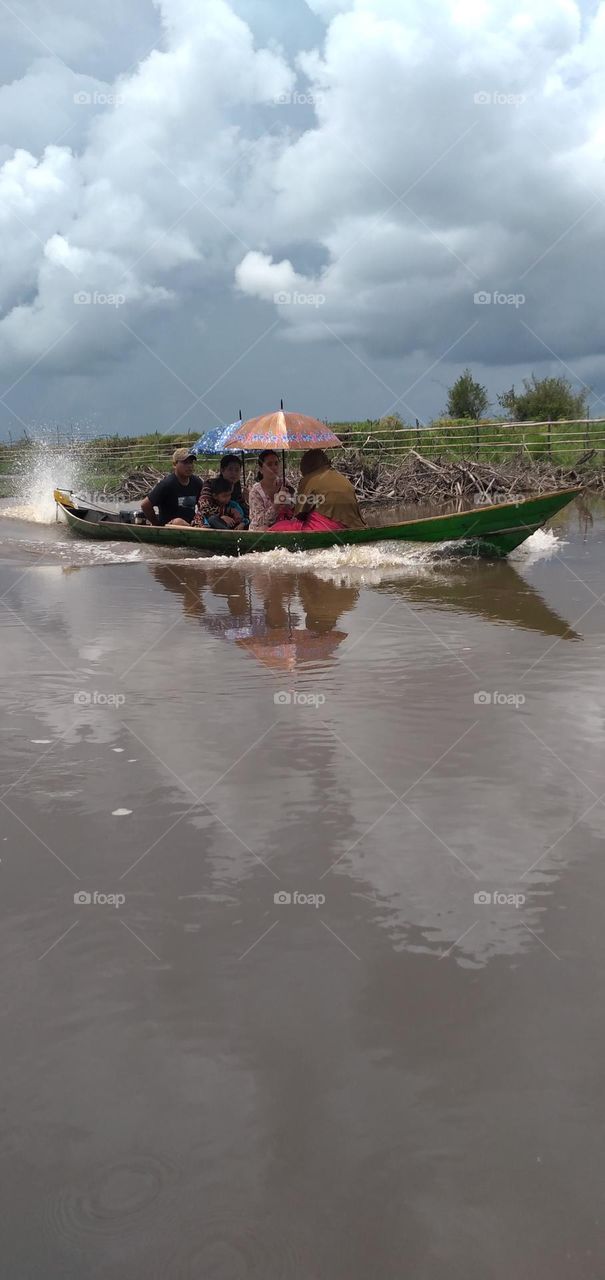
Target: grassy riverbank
523, 449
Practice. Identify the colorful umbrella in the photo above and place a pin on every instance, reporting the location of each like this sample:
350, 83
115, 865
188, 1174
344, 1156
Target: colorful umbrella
214, 441
281, 430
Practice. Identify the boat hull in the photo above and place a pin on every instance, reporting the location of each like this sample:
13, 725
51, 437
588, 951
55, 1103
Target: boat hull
488, 531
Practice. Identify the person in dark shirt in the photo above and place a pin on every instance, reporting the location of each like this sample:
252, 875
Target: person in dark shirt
175, 496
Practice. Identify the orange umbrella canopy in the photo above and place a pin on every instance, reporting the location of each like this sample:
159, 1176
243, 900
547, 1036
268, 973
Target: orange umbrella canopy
282, 430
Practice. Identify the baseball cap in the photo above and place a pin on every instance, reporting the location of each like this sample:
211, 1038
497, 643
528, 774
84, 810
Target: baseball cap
183, 455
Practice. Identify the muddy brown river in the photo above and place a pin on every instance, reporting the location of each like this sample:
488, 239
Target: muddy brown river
303, 958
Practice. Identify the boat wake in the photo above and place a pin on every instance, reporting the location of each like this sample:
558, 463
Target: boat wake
367, 564
543, 545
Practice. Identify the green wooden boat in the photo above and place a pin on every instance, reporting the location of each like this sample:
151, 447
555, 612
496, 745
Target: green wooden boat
487, 531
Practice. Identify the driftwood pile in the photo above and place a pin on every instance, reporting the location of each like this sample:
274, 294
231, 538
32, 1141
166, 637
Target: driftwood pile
136, 485
443, 480
427, 480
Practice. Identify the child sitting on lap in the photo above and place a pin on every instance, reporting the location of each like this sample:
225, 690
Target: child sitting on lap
220, 511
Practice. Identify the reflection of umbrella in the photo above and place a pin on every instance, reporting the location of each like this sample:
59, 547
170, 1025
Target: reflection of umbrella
281, 430
232, 627
284, 650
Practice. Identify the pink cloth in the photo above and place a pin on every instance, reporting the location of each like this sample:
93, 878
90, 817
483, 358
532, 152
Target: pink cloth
288, 526
321, 524
313, 524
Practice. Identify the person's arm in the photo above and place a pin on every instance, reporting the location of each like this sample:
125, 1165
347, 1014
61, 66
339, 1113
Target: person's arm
234, 511
148, 511
204, 502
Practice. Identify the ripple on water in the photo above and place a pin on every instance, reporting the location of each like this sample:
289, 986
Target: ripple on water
229, 1250
114, 1201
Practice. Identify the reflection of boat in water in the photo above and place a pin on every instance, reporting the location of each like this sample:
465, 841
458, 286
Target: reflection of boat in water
263, 611
289, 619
496, 592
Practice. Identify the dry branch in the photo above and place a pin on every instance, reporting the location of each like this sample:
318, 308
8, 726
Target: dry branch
420, 480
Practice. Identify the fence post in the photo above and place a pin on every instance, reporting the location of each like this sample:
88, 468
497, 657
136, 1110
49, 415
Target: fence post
417, 434
477, 438
548, 449
587, 433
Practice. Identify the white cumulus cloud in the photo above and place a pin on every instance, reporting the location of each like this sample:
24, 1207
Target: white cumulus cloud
404, 160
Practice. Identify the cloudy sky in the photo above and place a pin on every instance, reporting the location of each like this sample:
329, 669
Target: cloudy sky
205, 206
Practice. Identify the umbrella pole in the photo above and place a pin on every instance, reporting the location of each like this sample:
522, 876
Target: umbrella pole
243, 457
283, 452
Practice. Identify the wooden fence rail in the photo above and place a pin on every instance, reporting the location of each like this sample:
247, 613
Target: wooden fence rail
470, 439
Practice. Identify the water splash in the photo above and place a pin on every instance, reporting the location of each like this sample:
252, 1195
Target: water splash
43, 469
542, 545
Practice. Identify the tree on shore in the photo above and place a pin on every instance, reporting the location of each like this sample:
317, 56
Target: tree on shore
467, 398
544, 400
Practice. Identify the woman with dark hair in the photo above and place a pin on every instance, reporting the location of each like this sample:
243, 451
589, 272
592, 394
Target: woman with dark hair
261, 498
230, 468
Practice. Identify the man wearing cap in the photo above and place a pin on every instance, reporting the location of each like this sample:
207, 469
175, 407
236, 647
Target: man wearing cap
176, 495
